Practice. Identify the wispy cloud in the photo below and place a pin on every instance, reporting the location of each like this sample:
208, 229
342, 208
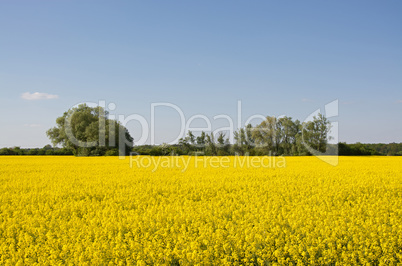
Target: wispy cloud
38, 96
399, 101
32, 125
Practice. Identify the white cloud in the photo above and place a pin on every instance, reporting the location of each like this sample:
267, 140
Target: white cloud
399, 101
32, 125
38, 96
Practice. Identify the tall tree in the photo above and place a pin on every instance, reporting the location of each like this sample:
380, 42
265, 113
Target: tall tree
210, 148
223, 145
315, 133
191, 137
266, 134
287, 132
244, 140
201, 139
88, 131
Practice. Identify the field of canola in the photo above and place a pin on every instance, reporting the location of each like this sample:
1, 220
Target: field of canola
99, 211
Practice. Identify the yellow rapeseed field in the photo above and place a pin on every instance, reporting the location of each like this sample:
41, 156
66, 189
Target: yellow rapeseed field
101, 211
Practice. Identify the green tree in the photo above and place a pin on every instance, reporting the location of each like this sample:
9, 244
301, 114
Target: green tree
184, 145
210, 148
221, 139
201, 139
315, 133
191, 137
287, 133
266, 134
244, 140
223, 145
240, 141
88, 131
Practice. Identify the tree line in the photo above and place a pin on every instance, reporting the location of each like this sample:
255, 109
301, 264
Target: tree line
344, 149
87, 131
274, 136
46, 150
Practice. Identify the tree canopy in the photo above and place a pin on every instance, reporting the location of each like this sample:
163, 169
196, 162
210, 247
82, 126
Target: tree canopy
88, 131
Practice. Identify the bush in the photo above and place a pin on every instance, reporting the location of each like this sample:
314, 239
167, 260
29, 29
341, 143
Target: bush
113, 152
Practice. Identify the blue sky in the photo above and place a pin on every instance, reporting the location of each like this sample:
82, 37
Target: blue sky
277, 57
